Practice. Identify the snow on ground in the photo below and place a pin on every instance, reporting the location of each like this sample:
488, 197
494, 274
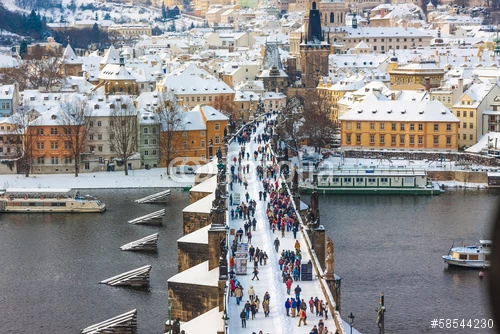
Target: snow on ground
153, 178
270, 276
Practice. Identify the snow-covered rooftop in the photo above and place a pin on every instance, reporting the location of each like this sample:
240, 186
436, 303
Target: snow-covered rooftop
206, 186
197, 275
202, 206
199, 236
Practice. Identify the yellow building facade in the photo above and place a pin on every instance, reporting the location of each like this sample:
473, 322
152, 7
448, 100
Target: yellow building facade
398, 125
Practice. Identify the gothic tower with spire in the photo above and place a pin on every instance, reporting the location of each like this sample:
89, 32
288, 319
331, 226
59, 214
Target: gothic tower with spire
314, 49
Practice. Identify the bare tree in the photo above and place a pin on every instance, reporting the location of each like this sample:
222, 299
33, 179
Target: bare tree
39, 69
290, 122
317, 126
172, 127
224, 104
123, 129
75, 117
24, 119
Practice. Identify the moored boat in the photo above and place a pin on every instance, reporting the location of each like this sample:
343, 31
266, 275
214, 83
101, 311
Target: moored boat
371, 181
476, 256
48, 200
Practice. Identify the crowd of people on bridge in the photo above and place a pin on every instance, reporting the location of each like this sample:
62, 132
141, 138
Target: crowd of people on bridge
281, 216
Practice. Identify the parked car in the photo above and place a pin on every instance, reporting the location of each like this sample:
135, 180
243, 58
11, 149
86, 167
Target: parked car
184, 169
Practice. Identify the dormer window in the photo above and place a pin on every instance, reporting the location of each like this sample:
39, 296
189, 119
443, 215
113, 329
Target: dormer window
112, 106
53, 117
96, 106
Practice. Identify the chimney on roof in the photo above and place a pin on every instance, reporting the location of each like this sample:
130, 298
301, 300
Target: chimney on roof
122, 60
427, 83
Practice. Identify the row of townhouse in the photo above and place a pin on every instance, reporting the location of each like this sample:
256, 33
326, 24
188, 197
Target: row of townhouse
48, 142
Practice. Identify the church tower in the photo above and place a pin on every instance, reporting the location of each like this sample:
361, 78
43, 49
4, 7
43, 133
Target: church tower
314, 50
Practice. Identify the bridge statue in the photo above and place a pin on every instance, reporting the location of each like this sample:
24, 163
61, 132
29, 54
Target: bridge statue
380, 315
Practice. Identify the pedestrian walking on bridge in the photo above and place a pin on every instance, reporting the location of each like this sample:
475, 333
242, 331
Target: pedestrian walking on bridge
276, 244
243, 317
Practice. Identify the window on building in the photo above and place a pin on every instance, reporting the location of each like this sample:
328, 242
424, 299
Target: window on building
217, 126
40, 160
436, 140
111, 148
471, 113
348, 125
471, 125
111, 123
412, 140
348, 138
448, 127
372, 126
54, 145
382, 126
154, 129
55, 160
471, 137
202, 143
68, 145
420, 127
184, 145
401, 126
99, 123
393, 140
372, 139
382, 139
40, 146
99, 148
146, 142
436, 127
53, 131
146, 152
464, 137
401, 140
146, 130
464, 125
448, 140
68, 160
358, 125
217, 139
420, 140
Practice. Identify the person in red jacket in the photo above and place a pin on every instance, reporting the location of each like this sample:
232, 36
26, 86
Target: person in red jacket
288, 285
303, 317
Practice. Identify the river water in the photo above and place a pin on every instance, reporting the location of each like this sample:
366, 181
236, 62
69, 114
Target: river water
394, 244
51, 264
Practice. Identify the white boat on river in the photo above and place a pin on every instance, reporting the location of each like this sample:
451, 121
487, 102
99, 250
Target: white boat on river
48, 200
476, 256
